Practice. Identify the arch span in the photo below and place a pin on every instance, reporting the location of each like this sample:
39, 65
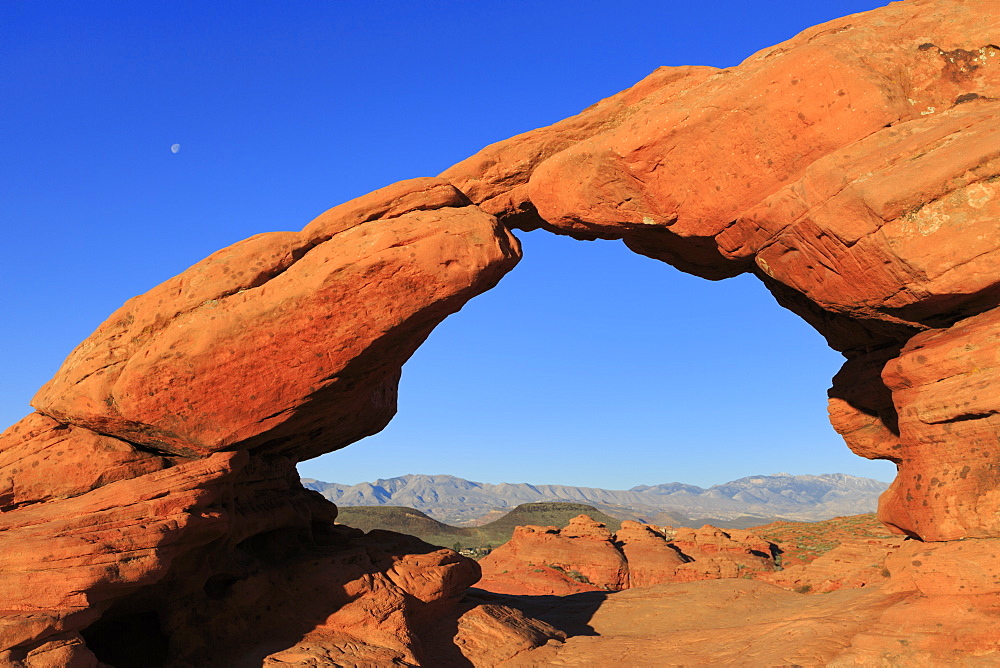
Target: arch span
849, 169
862, 192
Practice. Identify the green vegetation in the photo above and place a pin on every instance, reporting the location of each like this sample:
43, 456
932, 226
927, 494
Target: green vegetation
572, 574
541, 514
802, 542
481, 539
404, 520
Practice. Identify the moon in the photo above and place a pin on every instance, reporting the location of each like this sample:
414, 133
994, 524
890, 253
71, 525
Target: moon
174, 148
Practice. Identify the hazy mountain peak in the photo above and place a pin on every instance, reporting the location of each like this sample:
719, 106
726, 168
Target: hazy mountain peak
802, 497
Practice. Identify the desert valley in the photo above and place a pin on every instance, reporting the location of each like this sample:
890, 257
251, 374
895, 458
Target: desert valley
608, 586
560, 547
748, 501
151, 509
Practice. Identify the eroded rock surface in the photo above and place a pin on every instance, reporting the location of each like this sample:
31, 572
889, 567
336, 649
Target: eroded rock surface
854, 169
547, 560
249, 348
152, 509
855, 563
585, 556
733, 622
926, 604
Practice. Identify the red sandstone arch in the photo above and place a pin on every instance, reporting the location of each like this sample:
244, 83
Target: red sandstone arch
854, 169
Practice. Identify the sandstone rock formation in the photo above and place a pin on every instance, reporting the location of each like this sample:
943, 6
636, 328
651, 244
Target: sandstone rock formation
854, 169
154, 496
855, 563
732, 622
547, 560
714, 553
917, 619
651, 559
585, 556
249, 348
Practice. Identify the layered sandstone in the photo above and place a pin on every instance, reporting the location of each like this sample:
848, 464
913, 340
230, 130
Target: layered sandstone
651, 559
585, 556
855, 563
546, 560
249, 348
854, 169
152, 509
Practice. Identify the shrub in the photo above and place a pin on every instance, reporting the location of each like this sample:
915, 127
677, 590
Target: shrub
571, 574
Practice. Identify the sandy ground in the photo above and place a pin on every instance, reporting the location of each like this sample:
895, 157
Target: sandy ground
711, 623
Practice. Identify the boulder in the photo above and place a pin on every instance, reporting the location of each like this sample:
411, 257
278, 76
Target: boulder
651, 558
583, 553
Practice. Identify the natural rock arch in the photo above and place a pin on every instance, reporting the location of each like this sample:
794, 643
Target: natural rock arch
847, 168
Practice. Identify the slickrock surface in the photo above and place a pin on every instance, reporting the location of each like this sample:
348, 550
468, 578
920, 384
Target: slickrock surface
840, 553
937, 607
585, 556
802, 542
897, 602
854, 169
855, 563
719, 622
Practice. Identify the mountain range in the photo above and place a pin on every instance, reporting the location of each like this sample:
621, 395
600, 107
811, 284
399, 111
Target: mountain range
491, 534
746, 501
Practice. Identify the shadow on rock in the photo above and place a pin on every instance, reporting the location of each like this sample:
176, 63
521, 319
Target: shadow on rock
569, 614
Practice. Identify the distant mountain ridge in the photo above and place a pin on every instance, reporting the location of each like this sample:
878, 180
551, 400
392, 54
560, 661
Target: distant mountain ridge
783, 496
497, 532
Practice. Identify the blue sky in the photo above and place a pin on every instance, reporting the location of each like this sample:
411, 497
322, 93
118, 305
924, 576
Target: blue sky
588, 365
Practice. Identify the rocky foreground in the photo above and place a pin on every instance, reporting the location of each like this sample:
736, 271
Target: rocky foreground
843, 553
651, 596
655, 596
736, 622
152, 515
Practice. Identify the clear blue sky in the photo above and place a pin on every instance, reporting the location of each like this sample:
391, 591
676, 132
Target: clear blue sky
588, 365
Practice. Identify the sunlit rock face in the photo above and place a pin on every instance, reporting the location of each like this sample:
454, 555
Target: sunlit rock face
250, 348
854, 169
586, 556
154, 496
